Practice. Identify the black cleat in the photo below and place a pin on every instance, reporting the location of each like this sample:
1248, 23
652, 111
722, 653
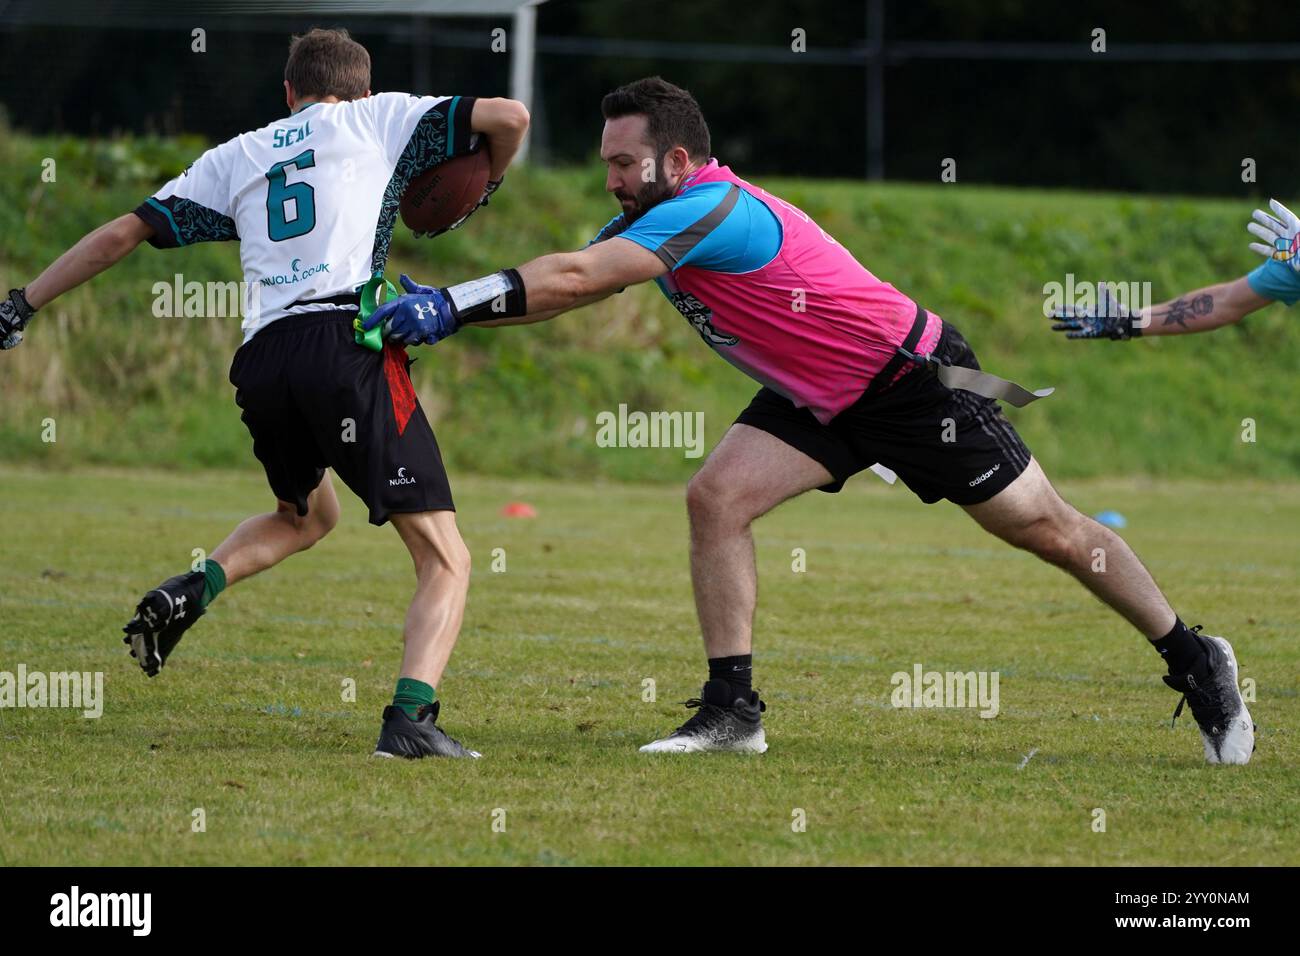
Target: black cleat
1210, 688
403, 737
161, 617
717, 725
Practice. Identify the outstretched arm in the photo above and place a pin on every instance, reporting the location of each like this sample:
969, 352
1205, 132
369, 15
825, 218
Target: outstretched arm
536, 291
564, 281
94, 253
1203, 309
1198, 311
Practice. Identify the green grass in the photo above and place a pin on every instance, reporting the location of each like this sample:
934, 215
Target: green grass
126, 388
248, 721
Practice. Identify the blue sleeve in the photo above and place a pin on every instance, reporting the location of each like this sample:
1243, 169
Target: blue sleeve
714, 226
1276, 280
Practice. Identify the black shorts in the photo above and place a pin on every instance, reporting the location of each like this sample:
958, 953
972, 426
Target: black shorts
314, 399
904, 427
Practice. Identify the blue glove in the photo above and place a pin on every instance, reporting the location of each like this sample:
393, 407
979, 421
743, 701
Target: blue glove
421, 317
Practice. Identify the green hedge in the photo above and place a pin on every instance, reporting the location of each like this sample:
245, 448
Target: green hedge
123, 386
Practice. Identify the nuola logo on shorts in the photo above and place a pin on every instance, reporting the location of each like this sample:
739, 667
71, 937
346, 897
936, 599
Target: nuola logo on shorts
986, 474
401, 479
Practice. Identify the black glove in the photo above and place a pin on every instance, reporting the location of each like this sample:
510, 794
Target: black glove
1109, 319
15, 313
492, 186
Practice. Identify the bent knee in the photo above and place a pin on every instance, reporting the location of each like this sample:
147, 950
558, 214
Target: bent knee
458, 561
319, 521
323, 517
448, 558
710, 499
452, 562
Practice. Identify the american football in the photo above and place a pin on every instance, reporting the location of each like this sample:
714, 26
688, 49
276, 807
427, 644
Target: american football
446, 193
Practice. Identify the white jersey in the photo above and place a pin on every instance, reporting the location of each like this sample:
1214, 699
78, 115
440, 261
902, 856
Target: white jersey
312, 198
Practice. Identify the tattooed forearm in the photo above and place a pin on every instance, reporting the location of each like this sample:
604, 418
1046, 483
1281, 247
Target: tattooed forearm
1180, 310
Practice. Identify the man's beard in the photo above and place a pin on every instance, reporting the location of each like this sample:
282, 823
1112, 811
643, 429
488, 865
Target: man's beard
650, 195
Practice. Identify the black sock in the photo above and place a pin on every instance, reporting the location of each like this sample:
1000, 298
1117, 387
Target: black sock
737, 671
1180, 648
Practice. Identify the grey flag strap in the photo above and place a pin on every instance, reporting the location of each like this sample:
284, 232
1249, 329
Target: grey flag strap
981, 383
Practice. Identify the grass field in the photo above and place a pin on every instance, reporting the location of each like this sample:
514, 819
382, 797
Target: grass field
248, 721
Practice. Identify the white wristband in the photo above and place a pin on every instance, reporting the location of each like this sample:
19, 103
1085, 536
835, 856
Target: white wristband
476, 292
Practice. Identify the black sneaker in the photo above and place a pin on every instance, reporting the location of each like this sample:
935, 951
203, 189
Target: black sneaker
719, 724
422, 737
161, 617
1210, 687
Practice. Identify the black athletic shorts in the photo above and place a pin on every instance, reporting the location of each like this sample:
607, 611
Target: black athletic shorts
314, 399
903, 427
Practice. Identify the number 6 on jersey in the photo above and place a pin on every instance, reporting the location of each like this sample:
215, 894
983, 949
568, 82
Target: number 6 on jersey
278, 226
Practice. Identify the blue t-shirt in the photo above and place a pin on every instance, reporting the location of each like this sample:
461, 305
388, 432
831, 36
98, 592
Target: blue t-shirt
715, 225
1276, 280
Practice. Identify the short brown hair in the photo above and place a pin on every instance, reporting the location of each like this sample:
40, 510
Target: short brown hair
328, 63
673, 118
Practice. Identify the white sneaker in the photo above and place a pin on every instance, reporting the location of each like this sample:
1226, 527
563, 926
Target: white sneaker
1211, 689
715, 726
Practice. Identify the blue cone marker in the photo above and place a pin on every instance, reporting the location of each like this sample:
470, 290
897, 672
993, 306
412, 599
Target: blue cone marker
1111, 519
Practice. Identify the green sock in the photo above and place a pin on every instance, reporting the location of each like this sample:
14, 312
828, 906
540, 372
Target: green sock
413, 694
214, 581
